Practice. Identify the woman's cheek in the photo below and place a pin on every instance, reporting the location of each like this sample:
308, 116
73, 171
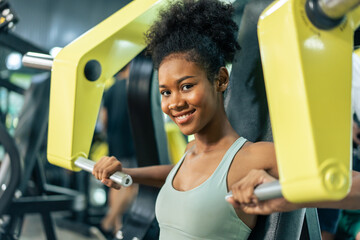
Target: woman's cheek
196, 99
164, 106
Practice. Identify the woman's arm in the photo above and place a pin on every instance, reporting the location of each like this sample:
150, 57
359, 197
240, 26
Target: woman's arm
249, 204
152, 176
260, 155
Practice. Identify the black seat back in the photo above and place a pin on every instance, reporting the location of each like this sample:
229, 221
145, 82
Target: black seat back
150, 145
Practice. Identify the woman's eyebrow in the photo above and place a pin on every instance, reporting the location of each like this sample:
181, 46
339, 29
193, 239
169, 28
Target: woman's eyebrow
178, 81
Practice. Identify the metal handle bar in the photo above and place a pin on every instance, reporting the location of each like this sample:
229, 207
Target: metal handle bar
265, 191
37, 60
336, 9
118, 177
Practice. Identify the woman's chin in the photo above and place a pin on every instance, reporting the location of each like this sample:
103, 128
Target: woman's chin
186, 131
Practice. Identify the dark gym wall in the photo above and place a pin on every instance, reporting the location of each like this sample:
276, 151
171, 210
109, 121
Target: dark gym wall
55, 23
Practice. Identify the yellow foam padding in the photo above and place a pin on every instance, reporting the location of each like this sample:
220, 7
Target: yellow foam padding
308, 84
176, 142
75, 101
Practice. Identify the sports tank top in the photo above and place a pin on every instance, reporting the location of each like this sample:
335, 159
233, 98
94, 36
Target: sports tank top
202, 212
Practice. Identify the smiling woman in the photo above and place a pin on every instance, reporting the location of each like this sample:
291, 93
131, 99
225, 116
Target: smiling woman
188, 97
191, 44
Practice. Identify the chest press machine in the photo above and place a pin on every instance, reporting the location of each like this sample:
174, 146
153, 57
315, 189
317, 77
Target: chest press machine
309, 99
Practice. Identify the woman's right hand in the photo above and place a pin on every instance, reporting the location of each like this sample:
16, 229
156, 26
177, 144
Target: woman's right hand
104, 168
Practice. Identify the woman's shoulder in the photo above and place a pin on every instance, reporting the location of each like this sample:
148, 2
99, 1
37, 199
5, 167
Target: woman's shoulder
259, 149
258, 155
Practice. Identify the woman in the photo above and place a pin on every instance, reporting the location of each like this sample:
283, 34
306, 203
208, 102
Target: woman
190, 46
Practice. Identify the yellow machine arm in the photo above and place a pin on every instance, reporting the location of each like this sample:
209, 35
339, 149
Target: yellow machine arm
307, 70
78, 76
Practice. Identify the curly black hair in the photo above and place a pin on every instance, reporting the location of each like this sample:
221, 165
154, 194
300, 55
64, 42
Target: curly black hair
202, 29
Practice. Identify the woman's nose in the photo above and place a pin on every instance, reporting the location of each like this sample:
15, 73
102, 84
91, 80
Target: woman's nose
177, 102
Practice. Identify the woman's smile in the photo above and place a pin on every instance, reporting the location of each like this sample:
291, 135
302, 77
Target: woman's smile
184, 117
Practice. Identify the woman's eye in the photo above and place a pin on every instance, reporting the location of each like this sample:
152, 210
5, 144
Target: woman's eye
187, 86
165, 93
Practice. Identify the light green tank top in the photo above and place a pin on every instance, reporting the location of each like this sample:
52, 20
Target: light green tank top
202, 212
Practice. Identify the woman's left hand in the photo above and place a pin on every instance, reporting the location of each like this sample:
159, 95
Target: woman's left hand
244, 198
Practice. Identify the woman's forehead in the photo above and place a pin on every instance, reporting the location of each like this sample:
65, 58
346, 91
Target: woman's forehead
179, 67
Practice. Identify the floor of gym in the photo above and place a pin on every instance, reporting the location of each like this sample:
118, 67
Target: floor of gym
33, 230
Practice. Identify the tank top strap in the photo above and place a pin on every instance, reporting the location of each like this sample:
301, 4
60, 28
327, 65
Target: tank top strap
175, 169
224, 165
229, 156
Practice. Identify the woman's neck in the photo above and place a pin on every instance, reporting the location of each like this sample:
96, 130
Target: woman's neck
215, 136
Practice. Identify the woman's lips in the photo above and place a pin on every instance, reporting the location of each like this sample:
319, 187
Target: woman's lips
184, 118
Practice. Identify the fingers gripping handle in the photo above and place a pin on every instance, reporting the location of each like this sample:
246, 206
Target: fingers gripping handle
268, 191
265, 191
118, 177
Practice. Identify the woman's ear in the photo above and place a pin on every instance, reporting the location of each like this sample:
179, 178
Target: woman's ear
223, 80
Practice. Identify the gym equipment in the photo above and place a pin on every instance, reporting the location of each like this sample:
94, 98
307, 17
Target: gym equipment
76, 91
149, 140
78, 75
246, 107
312, 36
10, 87
121, 42
37, 60
8, 18
8, 180
24, 163
18, 44
118, 177
295, 105
42, 198
265, 191
149, 136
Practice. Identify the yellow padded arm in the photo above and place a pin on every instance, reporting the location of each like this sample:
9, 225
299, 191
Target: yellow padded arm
308, 83
74, 99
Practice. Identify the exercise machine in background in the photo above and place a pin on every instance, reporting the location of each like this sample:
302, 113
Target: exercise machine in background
78, 77
22, 179
8, 18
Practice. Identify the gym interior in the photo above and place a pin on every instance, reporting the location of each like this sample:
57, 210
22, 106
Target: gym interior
60, 61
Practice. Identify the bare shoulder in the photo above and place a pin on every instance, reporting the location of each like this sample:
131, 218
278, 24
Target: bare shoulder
259, 155
260, 150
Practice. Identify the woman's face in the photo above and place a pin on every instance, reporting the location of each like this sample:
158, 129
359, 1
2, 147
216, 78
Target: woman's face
188, 97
